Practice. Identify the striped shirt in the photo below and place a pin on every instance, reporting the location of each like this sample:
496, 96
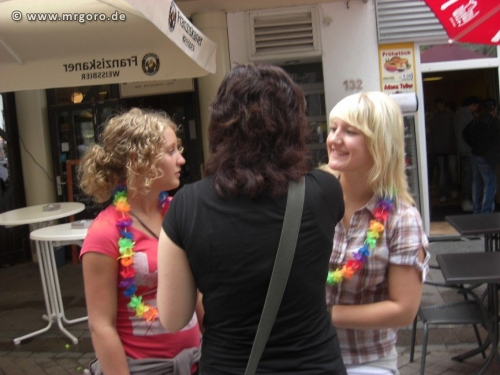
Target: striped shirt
399, 244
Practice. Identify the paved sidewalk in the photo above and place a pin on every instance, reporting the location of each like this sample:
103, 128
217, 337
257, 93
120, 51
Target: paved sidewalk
22, 306
21, 309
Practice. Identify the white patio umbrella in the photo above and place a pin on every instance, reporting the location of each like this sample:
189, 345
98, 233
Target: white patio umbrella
66, 43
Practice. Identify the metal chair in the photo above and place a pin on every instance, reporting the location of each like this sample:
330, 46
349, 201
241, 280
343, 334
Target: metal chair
469, 311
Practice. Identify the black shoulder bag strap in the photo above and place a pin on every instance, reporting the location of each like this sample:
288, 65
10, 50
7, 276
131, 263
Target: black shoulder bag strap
281, 270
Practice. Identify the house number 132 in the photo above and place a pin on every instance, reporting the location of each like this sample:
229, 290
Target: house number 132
353, 84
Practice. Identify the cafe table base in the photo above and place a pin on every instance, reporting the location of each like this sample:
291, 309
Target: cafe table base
52, 291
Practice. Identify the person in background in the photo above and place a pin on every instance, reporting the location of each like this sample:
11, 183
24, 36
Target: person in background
379, 258
442, 136
483, 136
463, 116
431, 160
137, 160
221, 234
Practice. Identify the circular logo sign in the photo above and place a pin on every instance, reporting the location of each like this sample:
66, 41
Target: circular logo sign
172, 16
150, 64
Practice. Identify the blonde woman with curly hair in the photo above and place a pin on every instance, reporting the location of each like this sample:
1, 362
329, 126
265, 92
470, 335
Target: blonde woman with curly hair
137, 160
379, 256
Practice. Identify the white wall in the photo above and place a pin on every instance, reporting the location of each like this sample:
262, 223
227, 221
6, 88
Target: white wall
349, 44
236, 32
350, 49
214, 26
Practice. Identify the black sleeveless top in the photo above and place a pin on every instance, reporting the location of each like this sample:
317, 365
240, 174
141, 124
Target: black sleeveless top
231, 245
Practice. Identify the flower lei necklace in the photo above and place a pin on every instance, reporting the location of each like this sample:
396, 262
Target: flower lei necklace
126, 247
357, 261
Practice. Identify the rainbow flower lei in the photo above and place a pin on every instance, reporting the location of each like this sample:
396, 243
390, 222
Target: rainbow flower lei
126, 247
381, 213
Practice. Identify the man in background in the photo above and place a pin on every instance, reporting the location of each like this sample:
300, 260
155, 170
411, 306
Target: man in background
442, 135
483, 136
463, 116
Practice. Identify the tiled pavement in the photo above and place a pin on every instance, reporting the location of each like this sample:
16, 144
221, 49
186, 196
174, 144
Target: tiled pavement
21, 308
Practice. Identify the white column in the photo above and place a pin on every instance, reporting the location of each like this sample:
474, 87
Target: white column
38, 175
213, 25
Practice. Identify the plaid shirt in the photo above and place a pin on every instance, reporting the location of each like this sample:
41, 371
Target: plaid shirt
399, 244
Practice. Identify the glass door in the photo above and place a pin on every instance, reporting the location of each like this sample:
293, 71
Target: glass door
85, 135
411, 158
74, 128
75, 131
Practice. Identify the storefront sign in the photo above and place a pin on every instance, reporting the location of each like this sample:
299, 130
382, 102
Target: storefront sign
397, 68
146, 88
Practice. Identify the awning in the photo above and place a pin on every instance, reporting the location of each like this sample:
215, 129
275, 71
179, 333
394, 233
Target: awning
469, 21
66, 43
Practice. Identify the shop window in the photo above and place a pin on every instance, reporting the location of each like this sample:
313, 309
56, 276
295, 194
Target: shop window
310, 78
84, 94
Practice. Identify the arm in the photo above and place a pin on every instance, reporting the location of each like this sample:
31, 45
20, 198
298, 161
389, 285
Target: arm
405, 289
200, 312
177, 293
100, 273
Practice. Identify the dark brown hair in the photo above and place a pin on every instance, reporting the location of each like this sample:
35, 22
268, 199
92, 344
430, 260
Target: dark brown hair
257, 132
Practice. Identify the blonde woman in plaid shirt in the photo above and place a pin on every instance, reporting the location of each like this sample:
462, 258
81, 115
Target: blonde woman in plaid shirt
379, 256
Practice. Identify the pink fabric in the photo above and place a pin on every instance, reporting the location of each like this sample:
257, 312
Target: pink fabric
140, 339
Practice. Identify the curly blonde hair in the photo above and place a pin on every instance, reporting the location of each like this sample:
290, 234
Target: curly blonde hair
130, 149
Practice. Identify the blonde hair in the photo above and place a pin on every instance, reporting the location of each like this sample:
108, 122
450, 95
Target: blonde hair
130, 149
379, 117
326, 168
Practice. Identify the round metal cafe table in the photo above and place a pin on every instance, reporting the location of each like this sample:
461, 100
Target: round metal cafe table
46, 240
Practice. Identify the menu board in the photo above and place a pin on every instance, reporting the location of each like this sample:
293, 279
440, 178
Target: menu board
397, 68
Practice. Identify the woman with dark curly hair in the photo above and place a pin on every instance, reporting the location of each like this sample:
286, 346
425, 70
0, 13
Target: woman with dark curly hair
137, 160
221, 233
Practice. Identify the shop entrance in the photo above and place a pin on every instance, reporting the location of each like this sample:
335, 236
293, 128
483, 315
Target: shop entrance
452, 87
76, 116
14, 241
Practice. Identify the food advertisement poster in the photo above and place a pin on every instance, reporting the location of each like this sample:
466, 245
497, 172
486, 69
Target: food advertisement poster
397, 68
